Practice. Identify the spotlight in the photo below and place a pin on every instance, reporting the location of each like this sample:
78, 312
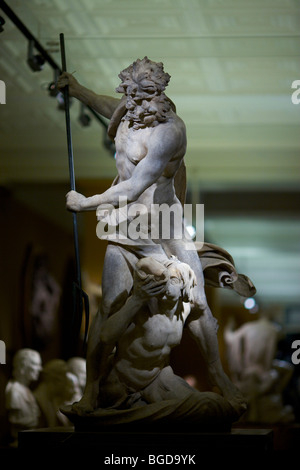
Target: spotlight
2, 22
84, 118
35, 62
61, 101
52, 88
55, 93
249, 303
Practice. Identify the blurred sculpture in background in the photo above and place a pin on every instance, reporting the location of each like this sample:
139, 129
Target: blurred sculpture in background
77, 367
58, 387
21, 405
41, 296
251, 352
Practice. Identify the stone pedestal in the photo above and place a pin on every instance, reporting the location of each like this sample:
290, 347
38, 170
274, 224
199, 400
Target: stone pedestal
117, 445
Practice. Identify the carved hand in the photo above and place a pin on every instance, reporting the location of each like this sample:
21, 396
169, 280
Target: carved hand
149, 288
65, 79
74, 201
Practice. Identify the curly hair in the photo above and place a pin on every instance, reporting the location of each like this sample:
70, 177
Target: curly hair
185, 274
149, 268
145, 75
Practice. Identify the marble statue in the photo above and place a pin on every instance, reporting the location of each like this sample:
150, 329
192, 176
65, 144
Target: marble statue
23, 411
136, 342
251, 351
150, 141
57, 387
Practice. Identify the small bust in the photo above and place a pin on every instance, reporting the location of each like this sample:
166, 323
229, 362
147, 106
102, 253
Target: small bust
56, 388
23, 411
77, 367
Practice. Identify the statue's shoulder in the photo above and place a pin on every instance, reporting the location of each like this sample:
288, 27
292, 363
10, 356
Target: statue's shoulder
14, 393
176, 123
174, 128
173, 123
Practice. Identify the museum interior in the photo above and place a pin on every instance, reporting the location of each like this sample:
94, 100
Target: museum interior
234, 70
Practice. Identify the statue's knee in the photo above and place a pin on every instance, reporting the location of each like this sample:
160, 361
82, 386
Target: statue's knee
106, 308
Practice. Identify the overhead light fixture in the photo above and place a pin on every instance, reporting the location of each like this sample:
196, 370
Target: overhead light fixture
52, 87
55, 93
2, 22
109, 145
61, 101
36, 62
84, 118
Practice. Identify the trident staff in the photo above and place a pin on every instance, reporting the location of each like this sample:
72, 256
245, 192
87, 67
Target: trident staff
78, 293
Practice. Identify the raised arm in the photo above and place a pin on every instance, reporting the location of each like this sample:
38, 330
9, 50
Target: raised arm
117, 324
102, 104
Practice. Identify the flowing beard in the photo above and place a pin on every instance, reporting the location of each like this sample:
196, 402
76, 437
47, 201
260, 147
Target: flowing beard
147, 114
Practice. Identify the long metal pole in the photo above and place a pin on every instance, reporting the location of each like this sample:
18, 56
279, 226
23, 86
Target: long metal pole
70, 159
79, 292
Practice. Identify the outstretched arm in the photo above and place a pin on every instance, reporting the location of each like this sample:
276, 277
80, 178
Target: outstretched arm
102, 104
166, 143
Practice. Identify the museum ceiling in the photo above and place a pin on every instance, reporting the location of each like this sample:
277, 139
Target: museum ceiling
232, 65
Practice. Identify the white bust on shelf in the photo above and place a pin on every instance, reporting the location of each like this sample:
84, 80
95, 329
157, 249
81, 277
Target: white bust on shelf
77, 367
57, 387
21, 405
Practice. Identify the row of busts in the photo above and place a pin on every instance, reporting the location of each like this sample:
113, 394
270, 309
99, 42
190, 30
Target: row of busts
58, 383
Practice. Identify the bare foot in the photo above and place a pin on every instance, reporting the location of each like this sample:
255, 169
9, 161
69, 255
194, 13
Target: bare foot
87, 404
234, 396
231, 393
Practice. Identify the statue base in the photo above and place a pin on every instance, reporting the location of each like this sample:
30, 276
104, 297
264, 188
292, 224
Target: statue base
112, 447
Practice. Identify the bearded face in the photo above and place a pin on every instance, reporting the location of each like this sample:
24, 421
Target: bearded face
143, 83
146, 112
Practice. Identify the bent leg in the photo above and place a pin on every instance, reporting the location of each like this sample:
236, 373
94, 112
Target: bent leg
182, 404
166, 386
200, 310
116, 286
203, 327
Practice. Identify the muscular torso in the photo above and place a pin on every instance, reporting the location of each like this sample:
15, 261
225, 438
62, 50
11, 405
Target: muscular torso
132, 148
145, 347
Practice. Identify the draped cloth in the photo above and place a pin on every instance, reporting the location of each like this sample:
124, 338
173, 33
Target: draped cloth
203, 411
219, 270
159, 406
